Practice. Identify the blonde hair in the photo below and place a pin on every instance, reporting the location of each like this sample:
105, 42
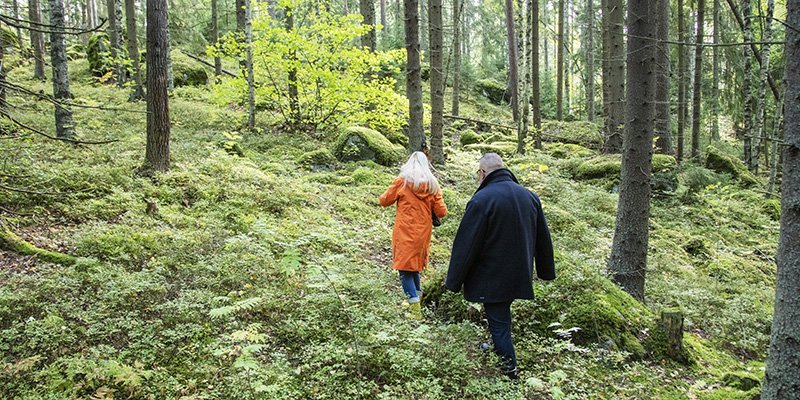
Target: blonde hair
417, 172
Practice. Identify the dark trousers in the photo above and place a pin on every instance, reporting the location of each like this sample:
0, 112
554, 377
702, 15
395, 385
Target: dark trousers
499, 317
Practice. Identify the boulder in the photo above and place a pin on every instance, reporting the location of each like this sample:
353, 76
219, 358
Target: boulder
97, 52
358, 143
720, 162
187, 72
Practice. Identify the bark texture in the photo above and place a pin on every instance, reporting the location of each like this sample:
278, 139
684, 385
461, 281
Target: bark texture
158, 127
747, 91
535, 94
436, 79
697, 92
367, 8
760, 128
682, 76
37, 40
251, 85
58, 59
560, 63
215, 36
416, 134
457, 8
137, 91
663, 130
715, 75
513, 74
615, 64
590, 60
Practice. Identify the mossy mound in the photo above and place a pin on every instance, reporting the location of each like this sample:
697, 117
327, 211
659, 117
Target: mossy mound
569, 150
720, 162
493, 90
75, 52
187, 72
584, 133
469, 137
504, 149
398, 138
499, 137
609, 166
772, 207
358, 143
318, 160
97, 52
8, 38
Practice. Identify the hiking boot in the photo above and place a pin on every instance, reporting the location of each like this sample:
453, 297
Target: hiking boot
512, 374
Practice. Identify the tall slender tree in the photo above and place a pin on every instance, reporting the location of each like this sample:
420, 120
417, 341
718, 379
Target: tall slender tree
589, 12
663, 131
215, 37
37, 40
560, 63
294, 99
747, 92
416, 133
513, 74
436, 79
383, 13
423, 26
524, 57
15, 10
615, 102
762, 88
367, 9
628, 261
715, 75
137, 91
251, 84
158, 127
115, 38
457, 11
697, 92
58, 59
682, 76
782, 378
533, 6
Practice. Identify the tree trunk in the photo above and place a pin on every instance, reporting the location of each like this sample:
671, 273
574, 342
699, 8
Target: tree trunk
91, 7
682, 75
782, 378
15, 10
416, 133
3, 102
383, 13
294, 96
663, 131
157, 152
715, 76
115, 39
170, 72
747, 105
524, 60
58, 59
513, 75
560, 63
423, 26
137, 92
241, 19
697, 92
37, 40
251, 84
567, 109
773, 167
762, 88
614, 122
457, 9
628, 261
215, 37
370, 40
437, 84
590, 60
535, 86
672, 324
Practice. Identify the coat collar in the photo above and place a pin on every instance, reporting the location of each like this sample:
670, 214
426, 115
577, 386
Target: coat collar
500, 175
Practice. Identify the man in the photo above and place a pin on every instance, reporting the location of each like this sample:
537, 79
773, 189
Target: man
503, 231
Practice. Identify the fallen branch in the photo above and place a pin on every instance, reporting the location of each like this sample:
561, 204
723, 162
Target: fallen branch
208, 64
9, 241
511, 128
51, 137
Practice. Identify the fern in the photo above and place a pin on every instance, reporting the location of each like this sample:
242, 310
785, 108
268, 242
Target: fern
243, 305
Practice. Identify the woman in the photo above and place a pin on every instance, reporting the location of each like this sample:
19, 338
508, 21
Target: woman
417, 194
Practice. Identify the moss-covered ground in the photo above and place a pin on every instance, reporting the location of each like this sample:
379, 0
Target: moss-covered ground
258, 276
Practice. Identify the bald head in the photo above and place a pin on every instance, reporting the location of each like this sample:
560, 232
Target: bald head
491, 162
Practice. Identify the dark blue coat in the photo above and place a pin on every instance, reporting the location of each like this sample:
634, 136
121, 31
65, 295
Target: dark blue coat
503, 231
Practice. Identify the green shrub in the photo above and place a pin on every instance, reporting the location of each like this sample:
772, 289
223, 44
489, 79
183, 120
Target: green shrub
697, 179
97, 52
358, 143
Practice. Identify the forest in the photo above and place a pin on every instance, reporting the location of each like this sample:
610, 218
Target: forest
189, 196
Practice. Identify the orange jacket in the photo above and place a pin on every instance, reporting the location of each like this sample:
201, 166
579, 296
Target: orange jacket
411, 237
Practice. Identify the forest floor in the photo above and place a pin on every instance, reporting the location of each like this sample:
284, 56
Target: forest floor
255, 276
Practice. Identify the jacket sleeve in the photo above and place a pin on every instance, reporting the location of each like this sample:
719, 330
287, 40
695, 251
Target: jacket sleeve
545, 262
390, 195
439, 208
466, 246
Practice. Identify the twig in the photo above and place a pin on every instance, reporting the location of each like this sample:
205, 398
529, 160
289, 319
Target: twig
26, 191
206, 63
40, 133
51, 99
19, 23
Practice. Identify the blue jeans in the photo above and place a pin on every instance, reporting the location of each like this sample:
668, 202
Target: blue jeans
499, 317
410, 282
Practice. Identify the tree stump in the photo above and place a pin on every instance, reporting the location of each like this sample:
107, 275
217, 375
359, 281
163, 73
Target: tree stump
672, 324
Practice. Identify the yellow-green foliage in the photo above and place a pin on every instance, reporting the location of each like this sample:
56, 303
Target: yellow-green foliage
358, 143
397, 137
319, 157
721, 162
610, 165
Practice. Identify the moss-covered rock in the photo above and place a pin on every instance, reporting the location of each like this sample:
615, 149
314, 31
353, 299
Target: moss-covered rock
97, 52
318, 160
499, 137
741, 380
75, 51
493, 90
720, 162
187, 72
397, 137
584, 133
469, 137
504, 149
358, 143
8, 38
772, 207
608, 166
569, 150
11, 242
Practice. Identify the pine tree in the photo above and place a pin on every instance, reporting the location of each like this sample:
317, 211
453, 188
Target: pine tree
416, 134
58, 59
436, 79
158, 128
